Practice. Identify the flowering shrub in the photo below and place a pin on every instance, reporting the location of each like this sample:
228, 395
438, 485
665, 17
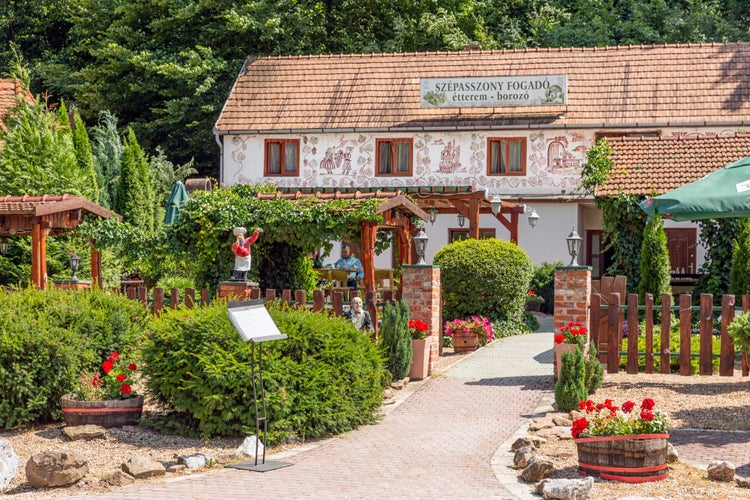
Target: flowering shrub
573, 333
606, 419
418, 329
113, 382
480, 325
531, 296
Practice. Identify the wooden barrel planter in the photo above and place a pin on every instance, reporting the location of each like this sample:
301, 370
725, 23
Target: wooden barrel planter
465, 341
638, 458
108, 413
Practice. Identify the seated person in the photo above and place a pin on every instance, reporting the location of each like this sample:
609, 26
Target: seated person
348, 262
359, 316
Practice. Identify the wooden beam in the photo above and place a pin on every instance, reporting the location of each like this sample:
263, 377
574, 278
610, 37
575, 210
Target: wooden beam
368, 231
474, 218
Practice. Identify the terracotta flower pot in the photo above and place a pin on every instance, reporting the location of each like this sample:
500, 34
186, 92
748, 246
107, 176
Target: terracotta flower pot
420, 361
465, 341
107, 413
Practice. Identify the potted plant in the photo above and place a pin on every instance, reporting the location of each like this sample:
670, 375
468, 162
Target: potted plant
533, 301
104, 398
420, 361
468, 334
571, 336
622, 443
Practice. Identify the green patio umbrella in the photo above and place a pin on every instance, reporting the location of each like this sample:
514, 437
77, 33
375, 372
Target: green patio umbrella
724, 193
178, 198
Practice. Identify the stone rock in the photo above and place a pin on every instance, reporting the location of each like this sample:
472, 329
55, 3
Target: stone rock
141, 467
523, 456
541, 423
399, 384
225, 457
55, 468
118, 478
389, 401
8, 464
720, 470
387, 393
193, 461
537, 469
562, 421
672, 456
176, 468
566, 489
247, 448
742, 482
556, 432
534, 441
575, 415
87, 431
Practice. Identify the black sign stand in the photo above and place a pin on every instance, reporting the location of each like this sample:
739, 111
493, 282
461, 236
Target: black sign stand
254, 324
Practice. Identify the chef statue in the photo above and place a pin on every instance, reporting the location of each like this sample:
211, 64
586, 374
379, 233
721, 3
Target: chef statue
241, 249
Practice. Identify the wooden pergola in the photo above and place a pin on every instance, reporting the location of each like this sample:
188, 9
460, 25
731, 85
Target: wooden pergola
40, 216
396, 211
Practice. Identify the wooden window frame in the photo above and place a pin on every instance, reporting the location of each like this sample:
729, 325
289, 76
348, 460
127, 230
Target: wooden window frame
508, 141
282, 172
484, 233
395, 142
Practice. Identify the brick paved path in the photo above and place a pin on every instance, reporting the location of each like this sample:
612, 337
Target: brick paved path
437, 444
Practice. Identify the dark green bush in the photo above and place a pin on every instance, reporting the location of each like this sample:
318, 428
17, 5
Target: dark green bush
485, 277
543, 283
49, 337
571, 386
325, 378
594, 371
655, 268
396, 339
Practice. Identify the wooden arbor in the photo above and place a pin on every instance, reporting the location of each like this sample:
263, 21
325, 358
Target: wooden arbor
470, 203
395, 210
40, 216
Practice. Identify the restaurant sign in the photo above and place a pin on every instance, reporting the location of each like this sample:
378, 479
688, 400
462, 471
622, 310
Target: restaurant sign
494, 91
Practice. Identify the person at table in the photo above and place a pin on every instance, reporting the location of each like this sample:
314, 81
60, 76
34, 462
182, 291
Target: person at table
349, 262
359, 316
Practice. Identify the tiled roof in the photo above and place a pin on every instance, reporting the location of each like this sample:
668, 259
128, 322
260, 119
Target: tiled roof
8, 91
691, 84
48, 204
653, 166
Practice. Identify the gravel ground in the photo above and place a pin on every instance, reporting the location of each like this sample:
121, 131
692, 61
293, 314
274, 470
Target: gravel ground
692, 402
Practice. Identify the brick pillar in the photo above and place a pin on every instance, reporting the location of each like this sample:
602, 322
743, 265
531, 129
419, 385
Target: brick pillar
420, 288
572, 297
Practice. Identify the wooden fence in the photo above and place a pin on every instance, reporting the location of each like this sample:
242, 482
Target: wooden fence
609, 314
296, 298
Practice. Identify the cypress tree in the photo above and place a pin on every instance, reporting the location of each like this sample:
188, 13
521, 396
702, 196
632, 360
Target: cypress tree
107, 149
134, 190
571, 386
655, 268
396, 339
85, 157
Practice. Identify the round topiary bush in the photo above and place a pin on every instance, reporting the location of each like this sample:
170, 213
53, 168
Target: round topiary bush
326, 378
487, 277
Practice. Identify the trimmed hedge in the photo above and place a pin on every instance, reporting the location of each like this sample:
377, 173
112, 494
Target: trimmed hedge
326, 378
48, 337
487, 277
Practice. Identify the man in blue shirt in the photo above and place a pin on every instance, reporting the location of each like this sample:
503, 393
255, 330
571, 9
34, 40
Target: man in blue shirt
348, 262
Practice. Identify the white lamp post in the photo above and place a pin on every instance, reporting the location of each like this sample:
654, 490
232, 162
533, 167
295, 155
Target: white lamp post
574, 246
420, 245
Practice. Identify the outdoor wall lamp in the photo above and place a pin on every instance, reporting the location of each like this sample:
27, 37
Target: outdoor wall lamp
74, 261
433, 213
574, 246
420, 245
3, 246
496, 204
533, 218
461, 219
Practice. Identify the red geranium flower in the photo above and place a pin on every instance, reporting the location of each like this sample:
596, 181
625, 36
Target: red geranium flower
132, 367
114, 357
559, 339
107, 366
125, 389
628, 406
579, 426
121, 377
648, 404
647, 415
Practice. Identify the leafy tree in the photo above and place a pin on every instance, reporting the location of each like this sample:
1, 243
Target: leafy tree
739, 276
717, 236
165, 174
655, 268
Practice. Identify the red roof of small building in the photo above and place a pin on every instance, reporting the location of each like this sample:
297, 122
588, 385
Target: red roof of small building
9, 89
653, 166
634, 86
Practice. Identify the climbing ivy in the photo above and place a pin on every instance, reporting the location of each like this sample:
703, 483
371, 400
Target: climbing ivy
718, 237
595, 171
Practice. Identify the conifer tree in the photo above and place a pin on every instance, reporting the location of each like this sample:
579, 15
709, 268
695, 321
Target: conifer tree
107, 149
134, 191
396, 339
571, 386
655, 268
85, 157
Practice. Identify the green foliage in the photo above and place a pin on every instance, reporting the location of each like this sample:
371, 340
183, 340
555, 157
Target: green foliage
165, 174
655, 267
532, 324
571, 386
718, 237
135, 197
543, 283
49, 337
739, 275
595, 171
85, 157
485, 277
107, 150
594, 370
394, 331
739, 329
623, 224
325, 378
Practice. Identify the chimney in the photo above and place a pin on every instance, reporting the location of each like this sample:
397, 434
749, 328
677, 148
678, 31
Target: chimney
469, 47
